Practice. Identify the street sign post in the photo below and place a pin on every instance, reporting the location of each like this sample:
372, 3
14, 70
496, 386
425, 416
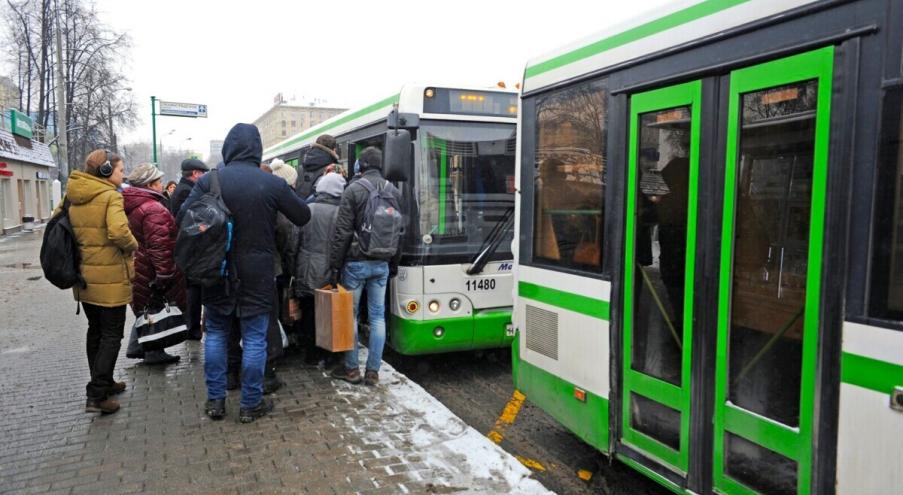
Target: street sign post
173, 109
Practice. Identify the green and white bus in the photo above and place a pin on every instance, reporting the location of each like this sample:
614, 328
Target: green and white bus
709, 264
454, 286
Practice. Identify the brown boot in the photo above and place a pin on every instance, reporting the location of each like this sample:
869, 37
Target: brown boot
350, 375
371, 378
106, 406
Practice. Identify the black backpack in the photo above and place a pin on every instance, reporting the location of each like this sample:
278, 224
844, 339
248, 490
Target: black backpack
60, 257
205, 238
382, 225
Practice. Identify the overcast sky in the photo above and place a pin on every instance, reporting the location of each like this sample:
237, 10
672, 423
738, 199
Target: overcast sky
235, 56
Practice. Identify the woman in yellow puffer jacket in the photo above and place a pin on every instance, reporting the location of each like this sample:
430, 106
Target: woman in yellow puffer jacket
106, 245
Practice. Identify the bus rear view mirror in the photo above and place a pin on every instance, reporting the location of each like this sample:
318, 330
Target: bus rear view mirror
402, 120
397, 156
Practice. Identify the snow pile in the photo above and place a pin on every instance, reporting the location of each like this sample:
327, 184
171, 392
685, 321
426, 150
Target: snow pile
411, 421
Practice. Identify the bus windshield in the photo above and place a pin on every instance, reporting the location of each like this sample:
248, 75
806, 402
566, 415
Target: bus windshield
465, 184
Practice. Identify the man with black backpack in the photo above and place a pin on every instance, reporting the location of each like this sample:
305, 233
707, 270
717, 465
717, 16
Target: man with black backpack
365, 254
245, 288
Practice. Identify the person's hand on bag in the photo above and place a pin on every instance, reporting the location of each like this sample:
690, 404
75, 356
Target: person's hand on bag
294, 309
334, 278
393, 270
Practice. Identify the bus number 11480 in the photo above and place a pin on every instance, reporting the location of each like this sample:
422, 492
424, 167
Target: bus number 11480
482, 284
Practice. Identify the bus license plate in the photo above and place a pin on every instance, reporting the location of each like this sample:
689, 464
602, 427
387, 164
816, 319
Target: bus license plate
481, 285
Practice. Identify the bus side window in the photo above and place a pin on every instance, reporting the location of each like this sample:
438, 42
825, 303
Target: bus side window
886, 294
569, 175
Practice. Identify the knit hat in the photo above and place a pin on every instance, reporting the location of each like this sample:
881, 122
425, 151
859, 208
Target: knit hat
144, 174
332, 184
287, 172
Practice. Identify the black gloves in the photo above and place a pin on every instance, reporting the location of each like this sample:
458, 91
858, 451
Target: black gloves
334, 277
393, 270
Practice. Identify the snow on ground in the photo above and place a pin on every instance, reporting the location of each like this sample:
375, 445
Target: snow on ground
405, 418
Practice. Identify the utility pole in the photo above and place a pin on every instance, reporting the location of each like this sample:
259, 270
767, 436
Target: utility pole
154, 126
61, 107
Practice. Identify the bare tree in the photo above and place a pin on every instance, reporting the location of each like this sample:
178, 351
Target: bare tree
94, 63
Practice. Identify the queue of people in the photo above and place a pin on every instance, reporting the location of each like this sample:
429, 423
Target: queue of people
293, 232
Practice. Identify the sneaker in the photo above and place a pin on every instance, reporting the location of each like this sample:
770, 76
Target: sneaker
371, 378
105, 406
216, 409
350, 375
160, 357
118, 387
251, 415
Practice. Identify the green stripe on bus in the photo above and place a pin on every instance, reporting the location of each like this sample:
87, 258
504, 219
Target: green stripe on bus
587, 419
316, 132
870, 373
596, 308
684, 16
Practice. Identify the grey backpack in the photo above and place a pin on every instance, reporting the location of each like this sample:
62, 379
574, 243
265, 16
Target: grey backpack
382, 225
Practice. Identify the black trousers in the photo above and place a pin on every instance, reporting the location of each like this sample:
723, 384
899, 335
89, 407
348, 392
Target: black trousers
105, 328
193, 311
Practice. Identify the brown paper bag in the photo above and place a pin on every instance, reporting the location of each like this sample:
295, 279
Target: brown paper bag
335, 318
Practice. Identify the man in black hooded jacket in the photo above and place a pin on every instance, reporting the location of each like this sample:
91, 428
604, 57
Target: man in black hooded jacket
253, 196
314, 164
359, 272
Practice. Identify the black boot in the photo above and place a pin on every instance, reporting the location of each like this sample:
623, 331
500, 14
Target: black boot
160, 357
216, 409
250, 415
271, 382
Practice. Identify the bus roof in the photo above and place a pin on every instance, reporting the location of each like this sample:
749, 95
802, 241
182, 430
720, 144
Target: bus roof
669, 26
409, 100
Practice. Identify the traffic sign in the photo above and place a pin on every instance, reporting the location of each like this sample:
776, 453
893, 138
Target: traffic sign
175, 109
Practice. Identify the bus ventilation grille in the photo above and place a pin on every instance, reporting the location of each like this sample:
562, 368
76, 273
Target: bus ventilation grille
542, 331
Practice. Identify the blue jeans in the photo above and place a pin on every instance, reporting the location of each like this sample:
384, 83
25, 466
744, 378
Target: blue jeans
373, 276
253, 361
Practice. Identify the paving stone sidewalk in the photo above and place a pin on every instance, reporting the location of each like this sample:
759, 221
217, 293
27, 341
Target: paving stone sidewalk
324, 437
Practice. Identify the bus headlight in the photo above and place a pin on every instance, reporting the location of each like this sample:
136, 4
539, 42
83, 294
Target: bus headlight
454, 304
433, 306
412, 306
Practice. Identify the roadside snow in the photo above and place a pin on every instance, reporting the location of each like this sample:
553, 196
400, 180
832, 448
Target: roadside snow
411, 421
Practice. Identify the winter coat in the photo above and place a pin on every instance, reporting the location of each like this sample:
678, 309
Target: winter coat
155, 229
253, 196
183, 189
315, 245
352, 208
104, 240
286, 245
312, 167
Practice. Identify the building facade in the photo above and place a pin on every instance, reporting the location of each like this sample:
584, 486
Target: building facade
27, 171
283, 120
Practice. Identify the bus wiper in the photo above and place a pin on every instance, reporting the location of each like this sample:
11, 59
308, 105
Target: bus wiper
499, 231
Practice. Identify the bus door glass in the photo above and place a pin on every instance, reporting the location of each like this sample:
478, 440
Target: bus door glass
658, 272
770, 280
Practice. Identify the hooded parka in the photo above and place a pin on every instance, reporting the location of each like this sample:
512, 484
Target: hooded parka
313, 166
312, 263
253, 196
105, 242
155, 229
